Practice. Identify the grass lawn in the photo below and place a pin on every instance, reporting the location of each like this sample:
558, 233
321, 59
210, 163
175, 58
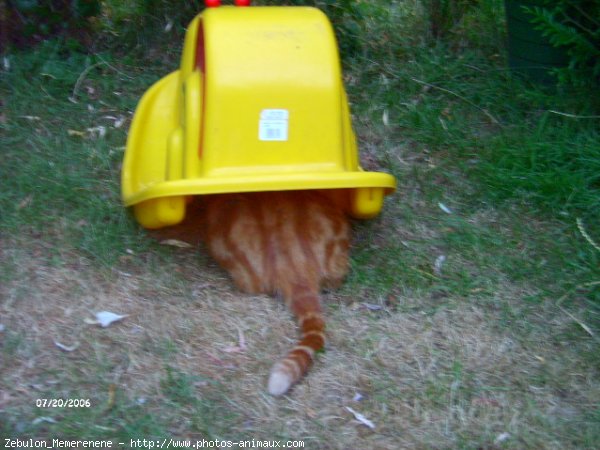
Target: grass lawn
470, 318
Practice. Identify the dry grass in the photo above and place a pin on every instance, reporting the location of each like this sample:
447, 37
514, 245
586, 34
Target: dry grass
448, 379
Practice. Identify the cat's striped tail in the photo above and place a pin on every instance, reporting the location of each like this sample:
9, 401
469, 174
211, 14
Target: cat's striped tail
286, 372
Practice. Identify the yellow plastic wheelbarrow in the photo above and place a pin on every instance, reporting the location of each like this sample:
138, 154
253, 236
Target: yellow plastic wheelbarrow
258, 104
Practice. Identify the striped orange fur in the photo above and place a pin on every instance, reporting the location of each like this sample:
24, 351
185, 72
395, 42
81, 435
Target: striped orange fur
282, 243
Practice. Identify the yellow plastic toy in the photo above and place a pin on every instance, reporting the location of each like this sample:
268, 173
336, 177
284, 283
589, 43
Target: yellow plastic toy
258, 104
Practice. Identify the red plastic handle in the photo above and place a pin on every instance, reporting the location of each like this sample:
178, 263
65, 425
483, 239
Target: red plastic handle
215, 3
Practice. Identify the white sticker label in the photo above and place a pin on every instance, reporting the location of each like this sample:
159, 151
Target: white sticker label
273, 125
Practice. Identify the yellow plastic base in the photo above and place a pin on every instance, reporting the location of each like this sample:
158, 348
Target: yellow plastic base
258, 104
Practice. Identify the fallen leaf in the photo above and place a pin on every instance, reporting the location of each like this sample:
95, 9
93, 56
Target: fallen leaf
501, 438
41, 419
385, 118
445, 208
176, 243
372, 306
25, 202
437, 266
357, 397
241, 344
99, 131
119, 122
105, 318
443, 124
112, 388
76, 133
66, 348
362, 419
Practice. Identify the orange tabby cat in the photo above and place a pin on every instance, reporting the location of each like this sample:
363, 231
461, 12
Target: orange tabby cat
286, 243
281, 243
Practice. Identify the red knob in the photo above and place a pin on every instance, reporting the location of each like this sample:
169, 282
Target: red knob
212, 3
242, 2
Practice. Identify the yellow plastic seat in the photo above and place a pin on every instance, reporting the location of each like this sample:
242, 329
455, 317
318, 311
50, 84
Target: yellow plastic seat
258, 104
